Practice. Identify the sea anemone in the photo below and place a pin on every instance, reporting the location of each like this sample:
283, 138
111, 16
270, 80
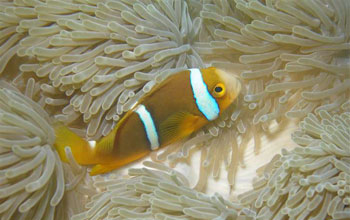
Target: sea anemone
155, 192
308, 182
293, 58
95, 59
311, 181
86, 62
33, 180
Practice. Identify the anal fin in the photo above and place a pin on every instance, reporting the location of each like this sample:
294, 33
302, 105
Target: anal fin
105, 145
102, 168
116, 162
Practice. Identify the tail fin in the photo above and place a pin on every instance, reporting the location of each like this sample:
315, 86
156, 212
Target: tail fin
83, 153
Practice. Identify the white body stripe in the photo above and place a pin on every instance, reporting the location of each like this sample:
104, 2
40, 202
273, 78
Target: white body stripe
149, 126
205, 102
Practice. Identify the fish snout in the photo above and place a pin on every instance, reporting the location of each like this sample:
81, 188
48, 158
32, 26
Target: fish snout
233, 84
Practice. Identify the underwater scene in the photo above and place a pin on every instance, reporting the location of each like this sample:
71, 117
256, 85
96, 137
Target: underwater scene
174, 109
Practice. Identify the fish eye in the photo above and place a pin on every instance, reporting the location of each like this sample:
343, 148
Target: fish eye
219, 90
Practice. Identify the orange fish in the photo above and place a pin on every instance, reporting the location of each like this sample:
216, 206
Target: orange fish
171, 111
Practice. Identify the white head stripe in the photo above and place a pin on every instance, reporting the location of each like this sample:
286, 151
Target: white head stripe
149, 126
205, 102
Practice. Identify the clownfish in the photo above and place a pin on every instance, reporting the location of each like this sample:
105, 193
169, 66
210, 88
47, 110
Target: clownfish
171, 111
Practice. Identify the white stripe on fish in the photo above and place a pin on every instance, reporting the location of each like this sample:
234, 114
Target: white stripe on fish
149, 126
205, 102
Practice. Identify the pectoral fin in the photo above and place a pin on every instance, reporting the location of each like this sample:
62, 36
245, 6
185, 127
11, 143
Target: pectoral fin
180, 125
